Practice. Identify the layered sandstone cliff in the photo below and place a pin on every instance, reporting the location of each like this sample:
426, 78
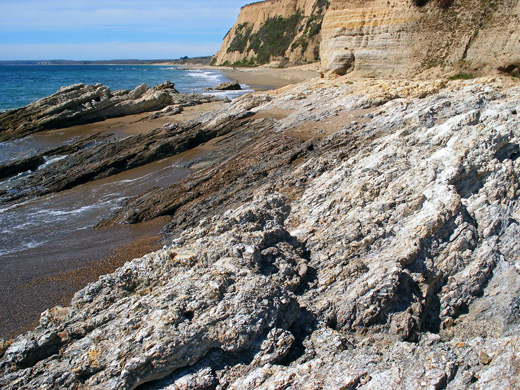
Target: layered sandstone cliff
383, 37
274, 30
377, 37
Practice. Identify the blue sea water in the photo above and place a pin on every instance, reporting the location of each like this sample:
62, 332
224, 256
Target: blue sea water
42, 237
28, 225
23, 84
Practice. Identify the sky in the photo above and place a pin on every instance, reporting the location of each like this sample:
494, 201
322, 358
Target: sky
113, 29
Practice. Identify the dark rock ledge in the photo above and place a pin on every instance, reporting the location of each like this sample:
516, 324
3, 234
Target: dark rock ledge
229, 86
98, 155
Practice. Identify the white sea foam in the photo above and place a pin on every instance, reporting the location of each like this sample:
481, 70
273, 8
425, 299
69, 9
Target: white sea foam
205, 75
24, 246
60, 213
25, 225
9, 208
50, 161
232, 94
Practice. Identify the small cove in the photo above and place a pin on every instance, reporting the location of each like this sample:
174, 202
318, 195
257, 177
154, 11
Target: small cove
49, 248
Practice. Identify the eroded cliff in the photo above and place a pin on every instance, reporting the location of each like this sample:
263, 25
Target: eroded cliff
274, 30
377, 37
402, 37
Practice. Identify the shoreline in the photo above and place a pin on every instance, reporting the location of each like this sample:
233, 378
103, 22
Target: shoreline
265, 78
30, 295
55, 283
55, 271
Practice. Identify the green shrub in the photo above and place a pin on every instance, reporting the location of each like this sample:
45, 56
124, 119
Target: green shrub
462, 76
244, 63
274, 37
313, 25
239, 42
302, 42
322, 4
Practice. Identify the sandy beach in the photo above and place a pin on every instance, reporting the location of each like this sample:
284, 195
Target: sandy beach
264, 78
27, 290
51, 274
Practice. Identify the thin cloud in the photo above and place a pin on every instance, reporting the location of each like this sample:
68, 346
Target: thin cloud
197, 24
55, 15
105, 50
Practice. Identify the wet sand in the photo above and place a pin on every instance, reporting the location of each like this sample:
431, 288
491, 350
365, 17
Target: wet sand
34, 280
44, 277
37, 279
130, 124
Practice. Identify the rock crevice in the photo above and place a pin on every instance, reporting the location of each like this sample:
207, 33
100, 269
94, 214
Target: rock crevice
366, 238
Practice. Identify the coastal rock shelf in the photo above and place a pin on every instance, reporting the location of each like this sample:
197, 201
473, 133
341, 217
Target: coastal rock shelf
100, 154
343, 235
80, 104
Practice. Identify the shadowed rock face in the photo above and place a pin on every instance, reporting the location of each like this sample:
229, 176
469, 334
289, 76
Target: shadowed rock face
343, 236
79, 104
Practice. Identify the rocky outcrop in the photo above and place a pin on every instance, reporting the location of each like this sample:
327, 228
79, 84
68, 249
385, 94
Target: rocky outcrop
170, 323
402, 37
229, 86
274, 30
79, 104
344, 236
103, 154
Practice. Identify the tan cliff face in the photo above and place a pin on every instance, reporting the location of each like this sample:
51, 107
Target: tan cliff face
274, 30
396, 37
378, 36
381, 37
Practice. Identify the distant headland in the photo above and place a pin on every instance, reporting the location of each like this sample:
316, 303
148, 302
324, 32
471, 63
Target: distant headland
180, 61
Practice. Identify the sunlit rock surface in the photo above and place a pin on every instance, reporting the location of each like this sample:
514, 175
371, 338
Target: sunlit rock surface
347, 235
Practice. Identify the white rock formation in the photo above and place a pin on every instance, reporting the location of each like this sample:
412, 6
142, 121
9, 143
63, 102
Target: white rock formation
391, 262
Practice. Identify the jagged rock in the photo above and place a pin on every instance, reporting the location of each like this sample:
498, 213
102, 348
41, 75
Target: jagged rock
182, 304
391, 260
78, 104
26, 164
100, 155
107, 157
229, 86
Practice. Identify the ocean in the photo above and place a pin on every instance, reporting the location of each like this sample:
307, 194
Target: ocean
75, 210
45, 237
23, 84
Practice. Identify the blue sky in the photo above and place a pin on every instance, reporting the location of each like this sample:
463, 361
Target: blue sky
113, 29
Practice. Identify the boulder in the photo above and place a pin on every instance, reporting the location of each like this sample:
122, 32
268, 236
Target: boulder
341, 62
229, 86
